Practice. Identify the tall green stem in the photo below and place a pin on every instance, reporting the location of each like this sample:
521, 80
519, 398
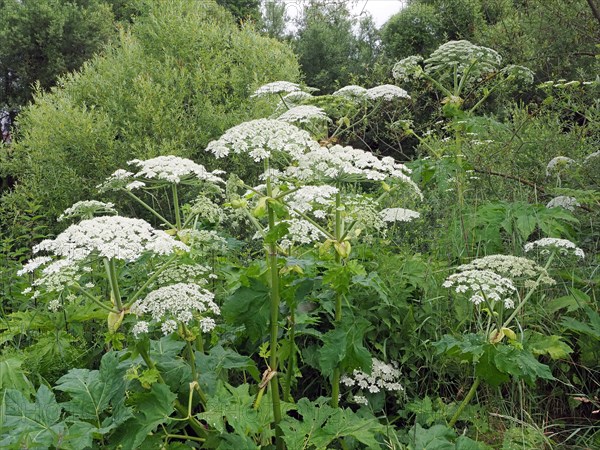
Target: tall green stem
111, 272
176, 207
530, 293
196, 426
291, 358
339, 231
275, 300
465, 402
149, 208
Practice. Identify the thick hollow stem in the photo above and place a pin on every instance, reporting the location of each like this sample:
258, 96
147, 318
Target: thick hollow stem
176, 207
274, 312
292, 358
111, 272
339, 231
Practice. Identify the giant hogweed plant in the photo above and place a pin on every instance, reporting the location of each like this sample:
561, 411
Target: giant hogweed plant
314, 200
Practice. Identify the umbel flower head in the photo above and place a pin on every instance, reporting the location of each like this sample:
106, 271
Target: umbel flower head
563, 201
564, 246
340, 163
383, 377
177, 303
276, 87
304, 114
517, 268
263, 138
170, 169
558, 165
408, 69
351, 92
112, 237
86, 209
387, 92
482, 285
174, 169
399, 215
463, 55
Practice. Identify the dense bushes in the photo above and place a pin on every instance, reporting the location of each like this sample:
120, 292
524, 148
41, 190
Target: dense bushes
180, 77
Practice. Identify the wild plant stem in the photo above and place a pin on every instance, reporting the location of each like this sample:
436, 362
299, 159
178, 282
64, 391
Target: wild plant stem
335, 382
530, 293
275, 300
149, 208
291, 359
111, 271
196, 426
149, 281
176, 207
465, 402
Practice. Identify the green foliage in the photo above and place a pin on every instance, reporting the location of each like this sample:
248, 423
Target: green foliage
440, 437
415, 30
44, 39
321, 425
168, 87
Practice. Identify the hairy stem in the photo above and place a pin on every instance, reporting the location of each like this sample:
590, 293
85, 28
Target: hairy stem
465, 402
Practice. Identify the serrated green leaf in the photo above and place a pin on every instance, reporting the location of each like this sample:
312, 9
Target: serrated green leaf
153, 408
343, 346
553, 346
92, 391
31, 425
521, 364
249, 306
591, 329
466, 348
298, 435
13, 377
438, 437
277, 232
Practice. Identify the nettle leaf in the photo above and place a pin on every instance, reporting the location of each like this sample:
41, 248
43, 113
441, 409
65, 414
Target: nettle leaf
552, 346
28, 425
249, 306
343, 346
92, 391
153, 408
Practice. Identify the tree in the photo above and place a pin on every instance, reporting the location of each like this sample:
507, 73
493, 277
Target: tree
328, 50
415, 30
42, 39
181, 76
242, 9
274, 18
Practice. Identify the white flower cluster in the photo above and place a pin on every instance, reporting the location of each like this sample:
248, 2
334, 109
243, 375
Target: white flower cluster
482, 285
184, 273
408, 69
203, 240
563, 201
304, 114
301, 231
562, 83
399, 215
347, 164
176, 303
206, 209
387, 92
514, 267
521, 73
312, 199
351, 92
261, 138
558, 165
364, 211
119, 179
563, 245
174, 169
276, 87
382, 377
86, 209
110, 237
464, 56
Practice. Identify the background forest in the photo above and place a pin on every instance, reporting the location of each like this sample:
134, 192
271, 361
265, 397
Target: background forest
243, 224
